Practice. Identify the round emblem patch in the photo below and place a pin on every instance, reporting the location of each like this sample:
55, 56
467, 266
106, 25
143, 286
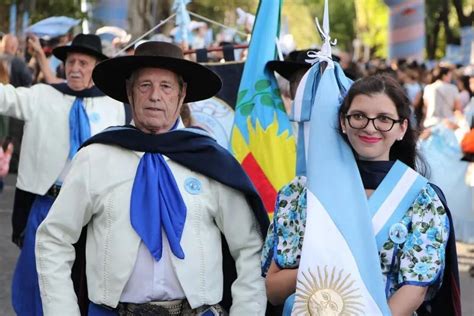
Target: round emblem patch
398, 233
192, 186
94, 117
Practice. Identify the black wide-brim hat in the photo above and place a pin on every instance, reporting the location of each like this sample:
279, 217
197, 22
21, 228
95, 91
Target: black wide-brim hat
111, 75
88, 44
293, 63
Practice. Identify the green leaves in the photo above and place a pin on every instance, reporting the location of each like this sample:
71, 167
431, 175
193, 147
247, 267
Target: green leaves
262, 85
267, 99
241, 95
246, 108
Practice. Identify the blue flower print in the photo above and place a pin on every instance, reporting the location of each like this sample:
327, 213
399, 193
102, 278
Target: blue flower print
409, 243
442, 253
287, 191
430, 250
431, 233
430, 191
446, 224
416, 233
421, 268
302, 198
423, 198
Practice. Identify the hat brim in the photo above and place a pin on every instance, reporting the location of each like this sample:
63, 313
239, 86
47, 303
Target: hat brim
110, 76
62, 51
286, 69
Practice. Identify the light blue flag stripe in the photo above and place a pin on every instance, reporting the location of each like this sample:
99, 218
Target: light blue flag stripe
333, 177
385, 189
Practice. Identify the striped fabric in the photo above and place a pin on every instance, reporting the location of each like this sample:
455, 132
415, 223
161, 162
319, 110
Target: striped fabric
262, 139
406, 29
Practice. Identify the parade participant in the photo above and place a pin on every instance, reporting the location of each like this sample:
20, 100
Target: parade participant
292, 68
441, 97
156, 204
58, 118
374, 120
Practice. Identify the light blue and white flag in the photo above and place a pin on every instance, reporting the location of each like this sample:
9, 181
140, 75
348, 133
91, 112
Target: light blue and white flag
182, 19
339, 269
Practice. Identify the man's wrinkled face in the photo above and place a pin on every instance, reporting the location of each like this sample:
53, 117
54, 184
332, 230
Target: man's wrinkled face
79, 68
156, 96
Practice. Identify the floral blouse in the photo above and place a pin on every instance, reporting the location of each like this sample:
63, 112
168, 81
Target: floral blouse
417, 259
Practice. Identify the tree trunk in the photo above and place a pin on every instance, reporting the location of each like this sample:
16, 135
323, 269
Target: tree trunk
139, 17
464, 20
432, 39
450, 39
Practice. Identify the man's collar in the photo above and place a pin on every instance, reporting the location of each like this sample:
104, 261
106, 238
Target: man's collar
86, 93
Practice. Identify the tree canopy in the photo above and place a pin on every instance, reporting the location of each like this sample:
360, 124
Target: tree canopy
367, 20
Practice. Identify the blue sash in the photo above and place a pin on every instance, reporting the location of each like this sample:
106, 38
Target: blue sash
390, 201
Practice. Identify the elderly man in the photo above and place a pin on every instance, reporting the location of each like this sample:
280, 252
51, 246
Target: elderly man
162, 205
58, 118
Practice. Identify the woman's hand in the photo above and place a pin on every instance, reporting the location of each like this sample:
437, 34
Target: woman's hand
280, 283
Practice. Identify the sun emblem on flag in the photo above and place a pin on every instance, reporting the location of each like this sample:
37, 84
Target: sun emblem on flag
327, 294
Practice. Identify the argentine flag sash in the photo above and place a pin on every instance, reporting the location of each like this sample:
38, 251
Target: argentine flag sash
389, 203
339, 271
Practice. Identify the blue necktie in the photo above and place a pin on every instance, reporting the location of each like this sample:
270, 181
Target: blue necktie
157, 203
79, 126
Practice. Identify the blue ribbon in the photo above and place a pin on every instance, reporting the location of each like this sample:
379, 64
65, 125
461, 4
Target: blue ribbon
79, 126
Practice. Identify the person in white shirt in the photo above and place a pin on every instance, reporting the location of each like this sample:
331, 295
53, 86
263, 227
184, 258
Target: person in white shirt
441, 98
58, 118
158, 201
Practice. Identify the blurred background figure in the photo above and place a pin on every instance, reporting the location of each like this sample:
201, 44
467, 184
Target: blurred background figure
113, 39
6, 151
441, 97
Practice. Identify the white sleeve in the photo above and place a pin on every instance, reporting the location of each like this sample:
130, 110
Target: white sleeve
55, 237
238, 223
20, 102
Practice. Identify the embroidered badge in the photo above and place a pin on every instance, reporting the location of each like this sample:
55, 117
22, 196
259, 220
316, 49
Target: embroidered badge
94, 117
192, 185
398, 233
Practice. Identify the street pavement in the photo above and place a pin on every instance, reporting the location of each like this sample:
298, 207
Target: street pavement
9, 252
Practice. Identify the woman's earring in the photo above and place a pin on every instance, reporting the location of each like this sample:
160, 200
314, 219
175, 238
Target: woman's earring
399, 139
343, 131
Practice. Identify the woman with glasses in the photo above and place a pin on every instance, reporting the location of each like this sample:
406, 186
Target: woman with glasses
374, 120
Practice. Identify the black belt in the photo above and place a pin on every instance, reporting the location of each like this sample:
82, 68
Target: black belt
54, 191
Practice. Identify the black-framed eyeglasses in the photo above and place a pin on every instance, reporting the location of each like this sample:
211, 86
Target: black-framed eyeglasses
382, 123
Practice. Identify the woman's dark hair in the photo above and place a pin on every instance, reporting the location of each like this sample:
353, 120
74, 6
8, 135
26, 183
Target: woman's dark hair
404, 150
465, 83
439, 72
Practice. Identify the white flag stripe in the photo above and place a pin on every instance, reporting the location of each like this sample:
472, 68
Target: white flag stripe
391, 203
298, 101
327, 249
306, 139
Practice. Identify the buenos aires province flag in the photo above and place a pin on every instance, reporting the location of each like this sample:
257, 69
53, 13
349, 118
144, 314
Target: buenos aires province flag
262, 139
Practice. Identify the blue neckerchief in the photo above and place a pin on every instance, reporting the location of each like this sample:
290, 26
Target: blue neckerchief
157, 203
79, 126
193, 149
